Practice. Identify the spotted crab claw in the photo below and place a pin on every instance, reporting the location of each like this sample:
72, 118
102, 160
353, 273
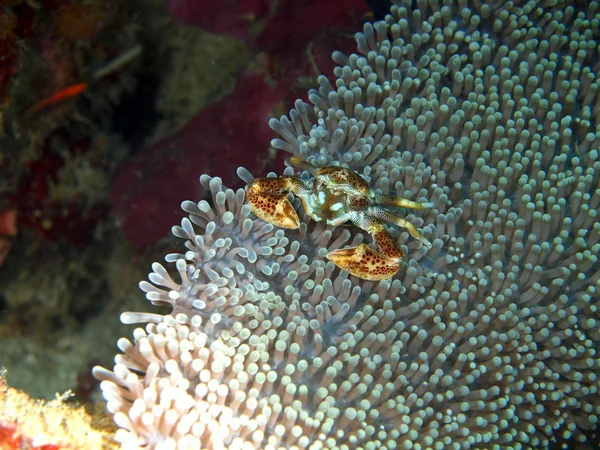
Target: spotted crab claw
268, 200
365, 262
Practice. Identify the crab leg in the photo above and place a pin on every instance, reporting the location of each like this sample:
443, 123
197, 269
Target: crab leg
302, 164
365, 262
382, 199
382, 214
268, 199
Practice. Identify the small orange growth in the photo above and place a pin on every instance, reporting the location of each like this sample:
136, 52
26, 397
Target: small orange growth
8, 222
57, 97
8, 229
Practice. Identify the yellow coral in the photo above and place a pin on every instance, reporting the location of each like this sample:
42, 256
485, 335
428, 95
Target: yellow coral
37, 423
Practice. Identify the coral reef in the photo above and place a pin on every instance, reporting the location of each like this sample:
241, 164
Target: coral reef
53, 425
487, 340
42, 129
56, 164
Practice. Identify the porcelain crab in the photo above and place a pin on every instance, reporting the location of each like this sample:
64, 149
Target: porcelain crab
337, 195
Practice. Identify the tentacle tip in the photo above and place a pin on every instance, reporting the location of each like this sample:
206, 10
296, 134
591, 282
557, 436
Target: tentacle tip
426, 243
428, 205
